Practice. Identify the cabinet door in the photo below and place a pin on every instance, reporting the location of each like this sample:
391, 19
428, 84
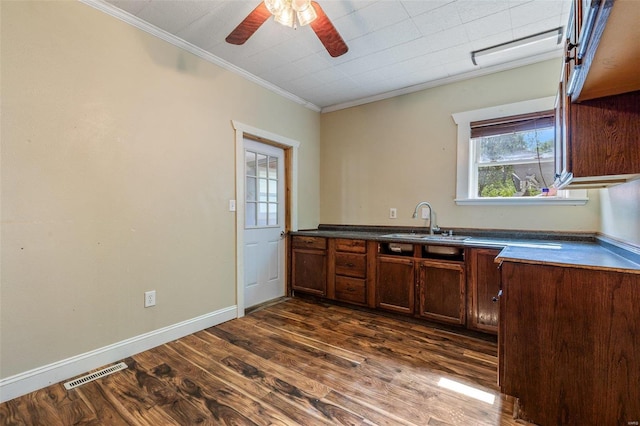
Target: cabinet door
604, 136
483, 286
442, 291
309, 271
395, 284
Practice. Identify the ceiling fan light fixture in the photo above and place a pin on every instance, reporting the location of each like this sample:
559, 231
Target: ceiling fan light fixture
307, 16
300, 5
310, 13
286, 17
275, 6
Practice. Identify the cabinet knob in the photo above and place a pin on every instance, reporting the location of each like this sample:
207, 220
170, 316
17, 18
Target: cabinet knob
497, 296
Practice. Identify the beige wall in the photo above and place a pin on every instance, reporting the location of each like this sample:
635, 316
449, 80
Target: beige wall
117, 167
399, 151
621, 212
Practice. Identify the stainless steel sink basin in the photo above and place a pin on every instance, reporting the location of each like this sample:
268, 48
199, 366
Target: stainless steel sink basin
407, 236
446, 237
426, 237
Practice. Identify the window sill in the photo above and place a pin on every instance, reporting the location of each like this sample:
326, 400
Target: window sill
522, 201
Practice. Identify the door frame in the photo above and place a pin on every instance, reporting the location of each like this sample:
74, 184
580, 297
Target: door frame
290, 147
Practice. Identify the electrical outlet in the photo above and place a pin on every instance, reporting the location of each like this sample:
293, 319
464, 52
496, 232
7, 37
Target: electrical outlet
393, 213
425, 213
232, 205
149, 298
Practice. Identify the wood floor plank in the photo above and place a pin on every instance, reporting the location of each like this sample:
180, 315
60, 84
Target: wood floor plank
209, 394
165, 396
279, 393
220, 350
12, 413
131, 401
295, 362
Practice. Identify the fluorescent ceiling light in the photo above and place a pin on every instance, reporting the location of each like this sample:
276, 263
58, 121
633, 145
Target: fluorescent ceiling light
534, 44
478, 394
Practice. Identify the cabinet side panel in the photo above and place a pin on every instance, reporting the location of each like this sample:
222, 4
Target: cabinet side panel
571, 344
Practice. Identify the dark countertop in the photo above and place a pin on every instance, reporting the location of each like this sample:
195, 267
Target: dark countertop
581, 250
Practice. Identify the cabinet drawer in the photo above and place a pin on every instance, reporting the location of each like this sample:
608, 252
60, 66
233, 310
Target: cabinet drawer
302, 242
351, 290
353, 246
351, 265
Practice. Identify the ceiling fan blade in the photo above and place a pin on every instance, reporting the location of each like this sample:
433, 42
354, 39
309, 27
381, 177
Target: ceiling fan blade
249, 25
327, 33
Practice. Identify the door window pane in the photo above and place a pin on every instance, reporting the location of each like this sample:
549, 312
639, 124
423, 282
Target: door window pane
250, 160
262, 214
262, 190
251, 189
273, 168
273, 191
262, 165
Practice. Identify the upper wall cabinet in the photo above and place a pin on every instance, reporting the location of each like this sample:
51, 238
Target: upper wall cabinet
603, 48
598, 104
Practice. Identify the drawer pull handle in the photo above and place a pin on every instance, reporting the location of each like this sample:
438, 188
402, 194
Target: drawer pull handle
350, 265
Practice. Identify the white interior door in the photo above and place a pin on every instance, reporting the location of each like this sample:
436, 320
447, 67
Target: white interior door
264, 223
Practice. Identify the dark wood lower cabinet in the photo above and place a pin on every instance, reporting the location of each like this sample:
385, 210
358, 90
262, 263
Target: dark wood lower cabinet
395, 284
483, 285
309, 272
570, 344
309, 265
441, 295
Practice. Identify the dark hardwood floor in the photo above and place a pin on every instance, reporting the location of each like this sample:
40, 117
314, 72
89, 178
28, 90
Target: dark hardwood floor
292, 363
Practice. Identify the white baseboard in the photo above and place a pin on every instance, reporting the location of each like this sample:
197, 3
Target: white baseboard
38, 378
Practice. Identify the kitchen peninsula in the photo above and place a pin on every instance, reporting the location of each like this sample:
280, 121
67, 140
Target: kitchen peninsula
565, 304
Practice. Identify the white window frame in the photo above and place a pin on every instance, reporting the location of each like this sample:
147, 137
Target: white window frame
465, 184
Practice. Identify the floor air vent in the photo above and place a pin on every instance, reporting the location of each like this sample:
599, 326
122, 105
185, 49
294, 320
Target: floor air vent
93, 376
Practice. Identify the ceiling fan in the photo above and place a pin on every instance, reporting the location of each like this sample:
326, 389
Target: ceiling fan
291, 13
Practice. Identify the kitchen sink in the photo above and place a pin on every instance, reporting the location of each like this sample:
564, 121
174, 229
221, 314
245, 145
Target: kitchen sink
446, 237
427, 237
408, 236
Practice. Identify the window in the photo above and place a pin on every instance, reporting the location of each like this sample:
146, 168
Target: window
506, 155
261, 208
513, 156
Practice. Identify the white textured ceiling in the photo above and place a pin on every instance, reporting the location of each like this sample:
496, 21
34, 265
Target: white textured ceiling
394, 46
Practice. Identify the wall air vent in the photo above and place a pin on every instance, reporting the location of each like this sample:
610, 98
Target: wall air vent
93, 376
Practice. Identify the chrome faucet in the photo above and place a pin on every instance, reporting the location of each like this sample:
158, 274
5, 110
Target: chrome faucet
415, 215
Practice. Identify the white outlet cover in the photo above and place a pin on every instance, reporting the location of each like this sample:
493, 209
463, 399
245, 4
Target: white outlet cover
149, 298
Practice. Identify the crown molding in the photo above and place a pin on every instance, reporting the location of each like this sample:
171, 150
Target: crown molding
130, 19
